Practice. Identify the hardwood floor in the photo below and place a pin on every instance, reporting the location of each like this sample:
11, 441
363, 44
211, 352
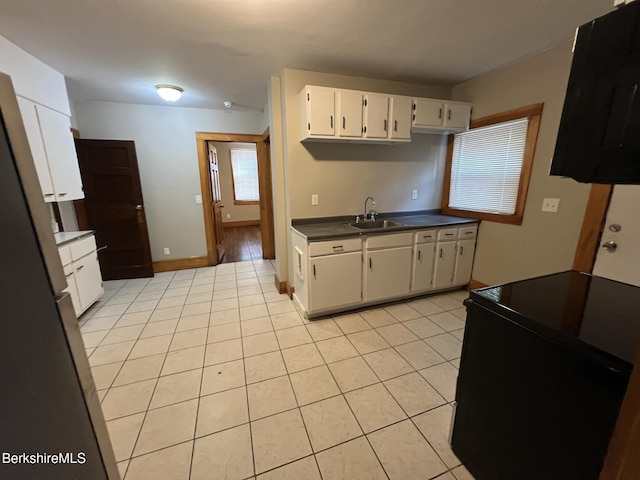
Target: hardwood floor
242, 243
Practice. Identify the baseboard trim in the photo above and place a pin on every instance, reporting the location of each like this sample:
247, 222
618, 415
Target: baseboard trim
179, 264
290, 290
241, 223
473, 284
281, 286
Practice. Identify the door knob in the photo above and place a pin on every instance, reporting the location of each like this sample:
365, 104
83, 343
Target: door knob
138, 207
610, 246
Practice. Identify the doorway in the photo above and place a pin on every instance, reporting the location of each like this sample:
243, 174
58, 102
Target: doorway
224, 225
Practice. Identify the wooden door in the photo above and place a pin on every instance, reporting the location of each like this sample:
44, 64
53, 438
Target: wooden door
114, 207
216, 202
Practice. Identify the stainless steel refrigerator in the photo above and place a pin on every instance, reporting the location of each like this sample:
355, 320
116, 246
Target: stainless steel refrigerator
52, 426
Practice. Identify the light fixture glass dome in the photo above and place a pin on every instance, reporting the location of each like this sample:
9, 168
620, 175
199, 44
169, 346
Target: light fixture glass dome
170, 93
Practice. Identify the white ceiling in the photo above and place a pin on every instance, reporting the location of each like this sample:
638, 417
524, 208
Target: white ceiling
217, 50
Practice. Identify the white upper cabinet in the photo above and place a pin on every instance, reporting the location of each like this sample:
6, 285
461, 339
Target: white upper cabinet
349, 113
61, 154
434, 116
376, 115
53, 151
34, 137
319, 107
400, 118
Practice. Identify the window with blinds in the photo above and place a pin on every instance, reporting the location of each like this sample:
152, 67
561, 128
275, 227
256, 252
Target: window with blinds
244, 170
486, 166
489, 166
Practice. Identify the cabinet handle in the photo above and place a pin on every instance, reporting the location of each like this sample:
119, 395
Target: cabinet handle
440, 113
420, 255
49, 194
448, 234
395, 125
414, 106
338, 248
80, 268
331, 121
370, 263
365, 129
314, 271
344, 122
308, 126
440, 253
68, 274
449, 115
62, 194
102, 248
461, 249
385, 125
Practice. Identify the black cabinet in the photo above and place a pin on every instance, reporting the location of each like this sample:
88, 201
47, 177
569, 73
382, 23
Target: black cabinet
544, 369
599, 135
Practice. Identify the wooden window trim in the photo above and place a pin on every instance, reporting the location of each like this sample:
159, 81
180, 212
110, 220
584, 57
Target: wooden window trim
534, 112
233, 183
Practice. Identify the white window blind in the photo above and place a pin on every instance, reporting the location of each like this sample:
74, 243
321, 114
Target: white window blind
244, 165
486, 167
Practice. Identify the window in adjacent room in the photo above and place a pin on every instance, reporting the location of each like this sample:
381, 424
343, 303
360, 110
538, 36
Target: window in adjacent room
244, 171
489, 166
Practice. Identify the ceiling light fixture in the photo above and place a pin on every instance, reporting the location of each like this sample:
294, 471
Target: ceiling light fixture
170, 93
228, 104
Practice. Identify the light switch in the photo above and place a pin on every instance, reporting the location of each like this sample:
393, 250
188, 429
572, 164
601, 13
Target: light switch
167, 251
550, 204
414, 194
198, 198
314, 199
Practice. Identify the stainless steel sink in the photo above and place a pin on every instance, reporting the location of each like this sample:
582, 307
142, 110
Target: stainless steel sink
370, 224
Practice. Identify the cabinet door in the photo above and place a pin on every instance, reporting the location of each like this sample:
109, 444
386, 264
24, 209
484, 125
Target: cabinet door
72, 289
428, 113
32, 128
423, 258
61, 154
376, 116
464, 261
458, 115
350, 113
444, 265
320, 111
88, 280
400, 124
387, 273
335, 281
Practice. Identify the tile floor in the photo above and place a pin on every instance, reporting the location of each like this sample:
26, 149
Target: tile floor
211, 374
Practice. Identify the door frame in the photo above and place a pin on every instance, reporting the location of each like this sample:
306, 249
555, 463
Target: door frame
623, 457
264, 178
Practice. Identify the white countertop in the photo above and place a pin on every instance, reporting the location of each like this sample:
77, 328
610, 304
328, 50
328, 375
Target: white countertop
66, 237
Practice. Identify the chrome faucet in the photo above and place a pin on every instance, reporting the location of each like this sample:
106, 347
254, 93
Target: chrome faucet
372, 213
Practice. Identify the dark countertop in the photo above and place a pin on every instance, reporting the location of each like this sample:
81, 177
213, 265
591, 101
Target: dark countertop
62, 238
597, 316
336, 227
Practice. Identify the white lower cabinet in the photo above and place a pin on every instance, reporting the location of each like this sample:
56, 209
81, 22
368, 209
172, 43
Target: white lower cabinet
445, 264
81, 267
335, 281
423, 258
387, 266
464, 261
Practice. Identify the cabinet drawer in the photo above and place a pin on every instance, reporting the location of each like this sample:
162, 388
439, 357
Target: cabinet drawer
65, 255
83, 247
447, 234
393, 240
468, 232
425, 236
340, 245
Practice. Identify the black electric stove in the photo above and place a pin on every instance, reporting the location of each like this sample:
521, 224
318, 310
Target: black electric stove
544, 368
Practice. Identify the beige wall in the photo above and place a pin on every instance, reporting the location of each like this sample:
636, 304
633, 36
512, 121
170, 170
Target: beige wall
344, 174
231, 212
168, 162
545, 242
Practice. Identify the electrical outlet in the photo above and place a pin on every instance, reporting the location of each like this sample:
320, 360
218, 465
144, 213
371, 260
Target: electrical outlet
228, 216
550, 204
198, 198
314, 199
414, 194
167, 251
